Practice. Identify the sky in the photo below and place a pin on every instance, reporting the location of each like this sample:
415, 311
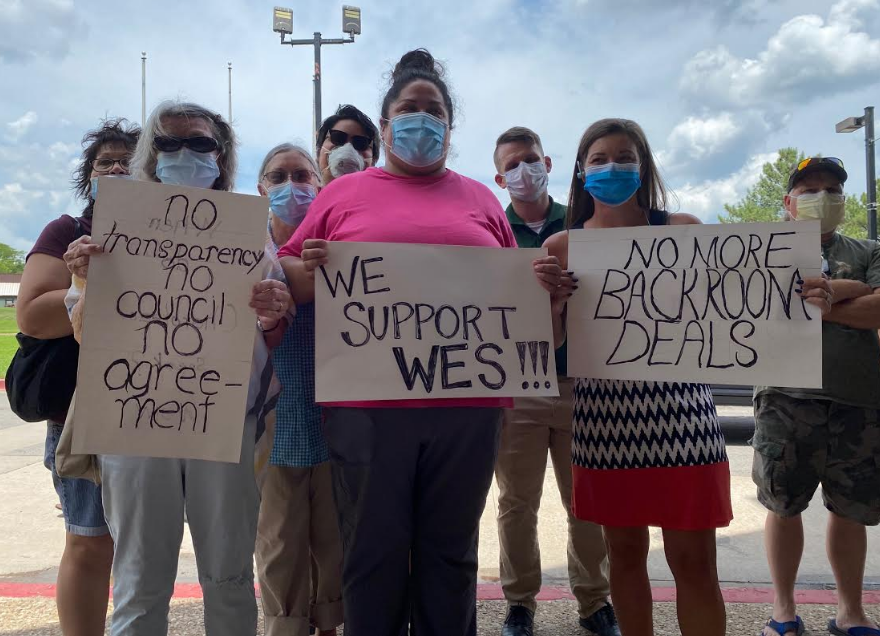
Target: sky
718, 85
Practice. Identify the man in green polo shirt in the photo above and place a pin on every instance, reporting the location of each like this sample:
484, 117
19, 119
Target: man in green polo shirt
538, 425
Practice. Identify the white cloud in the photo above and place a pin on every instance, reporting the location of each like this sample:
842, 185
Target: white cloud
14, 199
20, 127
706, 199
807, 58
30, 29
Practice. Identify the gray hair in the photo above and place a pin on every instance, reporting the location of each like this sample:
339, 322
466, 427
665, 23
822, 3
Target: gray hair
145, 155
289, 147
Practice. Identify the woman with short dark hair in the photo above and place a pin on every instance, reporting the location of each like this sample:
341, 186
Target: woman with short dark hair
348, 141
84, 573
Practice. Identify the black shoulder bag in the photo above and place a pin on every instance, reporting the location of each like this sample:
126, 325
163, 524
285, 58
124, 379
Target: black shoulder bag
41, 378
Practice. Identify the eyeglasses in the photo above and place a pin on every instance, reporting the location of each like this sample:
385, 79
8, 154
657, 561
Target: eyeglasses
818, 160
359, 142
106, 164
277, 177
196, 144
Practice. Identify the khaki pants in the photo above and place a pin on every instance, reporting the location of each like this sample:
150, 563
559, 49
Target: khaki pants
299, 552
530, 429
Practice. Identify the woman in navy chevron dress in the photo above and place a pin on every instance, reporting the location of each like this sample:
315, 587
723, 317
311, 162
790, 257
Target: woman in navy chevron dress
644, 453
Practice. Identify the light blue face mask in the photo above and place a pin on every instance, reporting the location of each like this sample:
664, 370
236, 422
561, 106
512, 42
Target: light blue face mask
93, 193
417, 139
612, 183
187, 168
290, 202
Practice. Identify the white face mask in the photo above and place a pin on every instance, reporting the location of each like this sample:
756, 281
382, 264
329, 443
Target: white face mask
345, 160
822, 206
528, 181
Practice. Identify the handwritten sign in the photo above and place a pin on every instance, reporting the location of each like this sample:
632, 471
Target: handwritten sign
167, 332
696, 303
396, 322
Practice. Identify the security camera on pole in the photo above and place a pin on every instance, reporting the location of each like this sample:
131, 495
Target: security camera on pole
852, 124
282, 22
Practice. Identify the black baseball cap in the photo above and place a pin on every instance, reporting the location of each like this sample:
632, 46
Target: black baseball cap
815, 164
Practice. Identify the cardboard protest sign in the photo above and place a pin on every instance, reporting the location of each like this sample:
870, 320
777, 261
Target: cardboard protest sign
167, 332
696, 303
396, 322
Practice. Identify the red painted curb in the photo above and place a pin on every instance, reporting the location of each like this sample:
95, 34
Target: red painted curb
2, 384
492, 592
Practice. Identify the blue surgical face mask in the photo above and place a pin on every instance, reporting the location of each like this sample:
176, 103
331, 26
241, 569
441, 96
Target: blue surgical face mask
290, 202
187, 168
417, 139
93, 193
612, 183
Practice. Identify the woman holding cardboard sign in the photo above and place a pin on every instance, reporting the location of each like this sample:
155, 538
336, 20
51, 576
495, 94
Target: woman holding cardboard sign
145, 498
410, 477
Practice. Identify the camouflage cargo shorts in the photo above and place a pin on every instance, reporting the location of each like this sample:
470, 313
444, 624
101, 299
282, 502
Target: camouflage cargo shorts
801, 443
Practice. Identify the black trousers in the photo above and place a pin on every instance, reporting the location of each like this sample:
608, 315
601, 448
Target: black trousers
410, 487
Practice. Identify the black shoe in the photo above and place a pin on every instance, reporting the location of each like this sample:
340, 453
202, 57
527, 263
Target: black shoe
519, 621
603, 622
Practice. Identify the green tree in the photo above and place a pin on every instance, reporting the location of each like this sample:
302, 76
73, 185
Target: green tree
763, 202
11, 260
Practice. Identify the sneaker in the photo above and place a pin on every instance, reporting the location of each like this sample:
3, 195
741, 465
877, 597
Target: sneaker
519, 621
602, 623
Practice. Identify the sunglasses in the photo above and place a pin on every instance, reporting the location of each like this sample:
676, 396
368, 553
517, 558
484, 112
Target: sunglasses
106, 164
196, 144
811, 161
359, 142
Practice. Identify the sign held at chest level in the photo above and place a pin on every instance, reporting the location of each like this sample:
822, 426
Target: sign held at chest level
167, 334
696, 303
397, 322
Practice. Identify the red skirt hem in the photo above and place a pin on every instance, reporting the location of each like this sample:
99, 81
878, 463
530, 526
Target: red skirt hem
675, 498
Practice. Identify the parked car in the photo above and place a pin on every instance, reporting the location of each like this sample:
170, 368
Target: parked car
732, 395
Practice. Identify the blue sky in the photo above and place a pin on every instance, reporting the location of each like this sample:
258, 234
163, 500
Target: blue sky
719, 85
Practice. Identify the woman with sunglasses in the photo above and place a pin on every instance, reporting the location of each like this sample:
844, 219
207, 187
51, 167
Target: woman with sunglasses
628, 471
299, 552
145, 498
84, 573
410, 476
347, 142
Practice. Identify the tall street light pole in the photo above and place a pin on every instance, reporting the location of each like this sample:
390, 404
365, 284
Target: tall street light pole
229, 65
282, 23
852, 124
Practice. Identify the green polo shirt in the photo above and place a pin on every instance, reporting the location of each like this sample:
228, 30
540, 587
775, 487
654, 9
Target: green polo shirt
527, 237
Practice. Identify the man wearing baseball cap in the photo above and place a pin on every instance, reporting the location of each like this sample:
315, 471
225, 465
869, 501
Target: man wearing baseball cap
828, 436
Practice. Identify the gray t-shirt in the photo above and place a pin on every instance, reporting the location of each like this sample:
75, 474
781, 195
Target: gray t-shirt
850, 357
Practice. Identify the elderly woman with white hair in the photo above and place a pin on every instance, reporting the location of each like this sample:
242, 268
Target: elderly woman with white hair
145, 498
299, 550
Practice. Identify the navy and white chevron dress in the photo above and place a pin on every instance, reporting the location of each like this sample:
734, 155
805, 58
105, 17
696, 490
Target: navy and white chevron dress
649, 454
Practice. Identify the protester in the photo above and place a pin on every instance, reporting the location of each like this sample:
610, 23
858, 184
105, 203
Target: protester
539, 424
84, 573
410, 477
299, 552
804, 437
145, 498
625, 476
347, 142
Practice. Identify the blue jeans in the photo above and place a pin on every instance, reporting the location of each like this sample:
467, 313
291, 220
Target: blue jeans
80, 498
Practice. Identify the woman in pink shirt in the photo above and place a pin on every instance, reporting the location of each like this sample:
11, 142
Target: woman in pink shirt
410, 477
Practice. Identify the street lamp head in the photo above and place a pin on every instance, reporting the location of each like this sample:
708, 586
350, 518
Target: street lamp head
850, 124
351, 20
282, 20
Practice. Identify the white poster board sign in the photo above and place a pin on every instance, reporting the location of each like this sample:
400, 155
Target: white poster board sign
696, 303
168, 335
397, 322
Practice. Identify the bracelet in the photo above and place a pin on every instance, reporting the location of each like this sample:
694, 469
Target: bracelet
260, 326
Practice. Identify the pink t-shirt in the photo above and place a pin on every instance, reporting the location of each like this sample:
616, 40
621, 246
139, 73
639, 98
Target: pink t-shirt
374, 206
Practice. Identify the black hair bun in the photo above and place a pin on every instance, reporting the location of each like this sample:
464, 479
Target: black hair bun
418, 60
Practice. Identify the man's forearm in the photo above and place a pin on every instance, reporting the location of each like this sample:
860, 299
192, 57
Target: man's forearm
858, 313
